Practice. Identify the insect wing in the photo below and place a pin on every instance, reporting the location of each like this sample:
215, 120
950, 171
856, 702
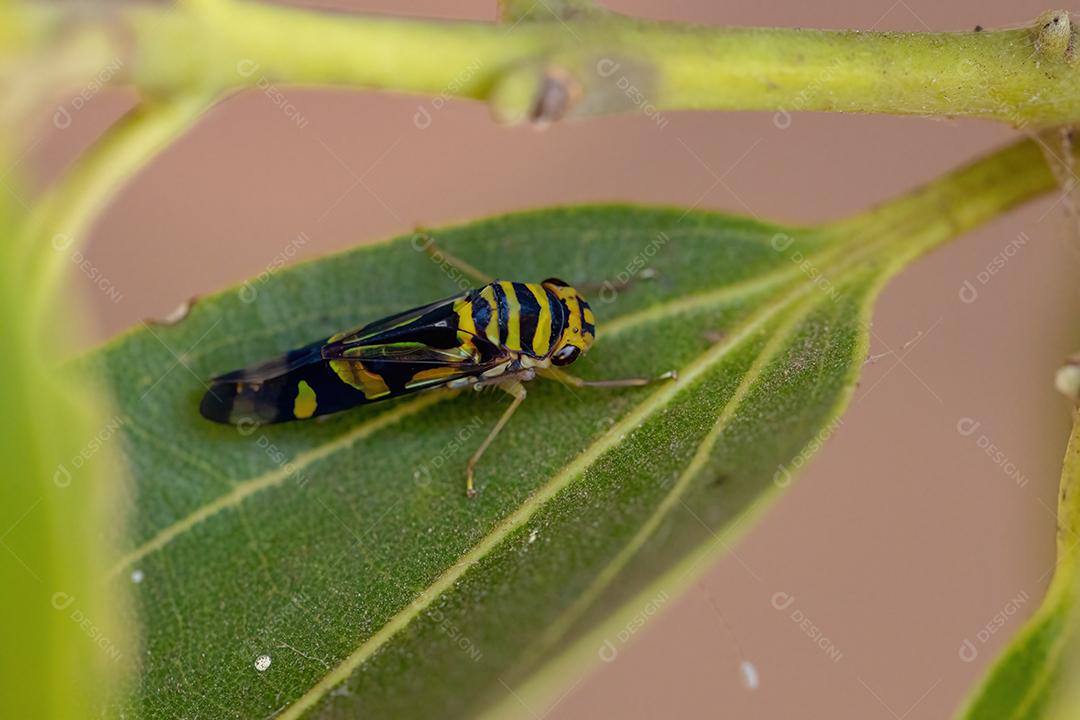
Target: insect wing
397, 326
411, 351
416, 349
409, 365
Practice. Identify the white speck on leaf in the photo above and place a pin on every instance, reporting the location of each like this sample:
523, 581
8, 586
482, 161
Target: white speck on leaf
533, 534
137, 576
262, 662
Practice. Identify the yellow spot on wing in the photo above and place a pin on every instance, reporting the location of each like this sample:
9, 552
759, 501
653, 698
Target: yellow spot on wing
354, 373
305, 403
589, 317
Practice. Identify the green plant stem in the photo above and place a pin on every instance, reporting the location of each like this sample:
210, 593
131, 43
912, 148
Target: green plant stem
61, 219
1067, 703
612, 62
1065, 584
606, 62
961, 200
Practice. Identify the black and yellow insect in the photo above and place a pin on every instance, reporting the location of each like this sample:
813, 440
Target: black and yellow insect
501, 334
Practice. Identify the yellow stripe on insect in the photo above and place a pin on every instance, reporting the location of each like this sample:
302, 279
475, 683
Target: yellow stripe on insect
540, 344
513, 325
436, 373
353, 372
466, 327
463, 308
305, 404
590, 321
573, 322
492, 329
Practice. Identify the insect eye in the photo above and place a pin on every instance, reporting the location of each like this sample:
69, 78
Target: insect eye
566, 355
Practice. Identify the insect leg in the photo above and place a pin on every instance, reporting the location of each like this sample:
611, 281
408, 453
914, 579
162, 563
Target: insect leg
574, 381
424, 241
516, 389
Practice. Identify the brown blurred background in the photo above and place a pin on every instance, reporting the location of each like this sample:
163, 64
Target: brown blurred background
902, 541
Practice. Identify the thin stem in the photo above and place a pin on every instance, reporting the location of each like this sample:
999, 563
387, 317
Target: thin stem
611, 63
61, 219
949, 206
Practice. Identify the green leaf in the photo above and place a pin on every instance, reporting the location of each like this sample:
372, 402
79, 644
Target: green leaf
345, 551
1035, 676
